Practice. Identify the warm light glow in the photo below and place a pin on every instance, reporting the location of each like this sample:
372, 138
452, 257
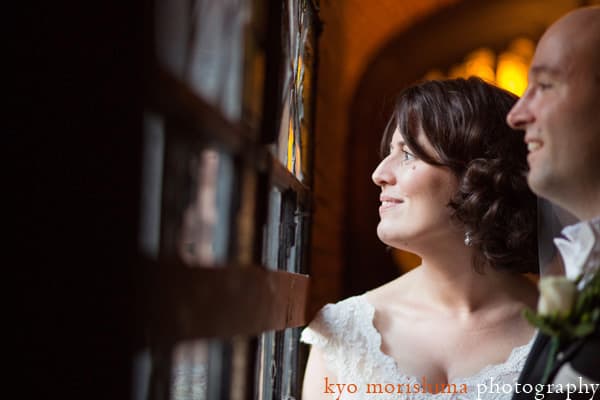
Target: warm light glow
299, 72
522, 47
457, 71
298, 163
481, 63
509, 70
434, 74
290, 147
511, 73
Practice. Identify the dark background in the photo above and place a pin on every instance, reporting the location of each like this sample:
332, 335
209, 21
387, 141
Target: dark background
73, 129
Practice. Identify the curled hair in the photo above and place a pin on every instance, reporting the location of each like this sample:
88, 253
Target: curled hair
464, 120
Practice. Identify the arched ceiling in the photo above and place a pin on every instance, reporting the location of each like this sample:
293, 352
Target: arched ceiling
359, 28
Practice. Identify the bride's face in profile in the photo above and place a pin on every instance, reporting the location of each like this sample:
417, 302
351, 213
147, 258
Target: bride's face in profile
414, 197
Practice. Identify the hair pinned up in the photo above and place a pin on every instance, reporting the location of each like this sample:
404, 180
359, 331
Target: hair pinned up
464, 120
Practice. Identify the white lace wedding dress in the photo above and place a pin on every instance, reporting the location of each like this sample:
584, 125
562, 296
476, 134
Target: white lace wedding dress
351, 347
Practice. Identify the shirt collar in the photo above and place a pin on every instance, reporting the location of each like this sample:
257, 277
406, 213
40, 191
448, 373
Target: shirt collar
580, 249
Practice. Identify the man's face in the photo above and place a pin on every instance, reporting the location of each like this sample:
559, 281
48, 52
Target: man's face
560, 112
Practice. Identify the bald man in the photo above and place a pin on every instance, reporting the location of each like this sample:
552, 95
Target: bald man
560, 112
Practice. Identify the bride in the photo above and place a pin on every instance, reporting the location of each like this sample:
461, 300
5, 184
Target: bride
453, 191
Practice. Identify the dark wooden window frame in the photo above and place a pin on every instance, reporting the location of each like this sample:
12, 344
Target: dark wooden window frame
279, 297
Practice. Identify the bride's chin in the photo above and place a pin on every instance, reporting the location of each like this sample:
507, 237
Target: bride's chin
391, 239
383, 234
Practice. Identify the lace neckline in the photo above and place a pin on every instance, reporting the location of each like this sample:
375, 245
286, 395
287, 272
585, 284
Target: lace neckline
517, 353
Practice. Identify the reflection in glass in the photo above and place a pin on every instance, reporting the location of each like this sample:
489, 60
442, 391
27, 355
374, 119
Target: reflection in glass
204, 223
196, 243
197, 203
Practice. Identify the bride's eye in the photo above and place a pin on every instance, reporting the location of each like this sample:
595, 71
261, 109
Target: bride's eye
407, 155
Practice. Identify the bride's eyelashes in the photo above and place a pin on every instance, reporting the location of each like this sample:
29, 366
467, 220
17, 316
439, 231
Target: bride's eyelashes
407, 155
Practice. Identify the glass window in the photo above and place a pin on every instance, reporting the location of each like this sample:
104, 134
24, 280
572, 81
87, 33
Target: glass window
223, 189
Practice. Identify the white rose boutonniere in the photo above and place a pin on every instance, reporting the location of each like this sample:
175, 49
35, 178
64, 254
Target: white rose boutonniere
557, 295
564, 313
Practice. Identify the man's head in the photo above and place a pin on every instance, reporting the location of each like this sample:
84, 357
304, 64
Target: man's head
560, 112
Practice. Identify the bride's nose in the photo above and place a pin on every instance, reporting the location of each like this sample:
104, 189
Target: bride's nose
383, 174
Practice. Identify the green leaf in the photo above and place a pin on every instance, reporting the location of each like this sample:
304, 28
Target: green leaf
540, 322
583, 329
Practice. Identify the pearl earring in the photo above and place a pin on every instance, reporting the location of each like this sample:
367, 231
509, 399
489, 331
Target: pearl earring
468, 239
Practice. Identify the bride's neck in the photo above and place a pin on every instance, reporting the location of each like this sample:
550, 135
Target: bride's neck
451, 283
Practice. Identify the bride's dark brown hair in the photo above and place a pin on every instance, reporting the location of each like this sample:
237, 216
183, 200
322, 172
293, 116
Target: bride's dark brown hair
464, 120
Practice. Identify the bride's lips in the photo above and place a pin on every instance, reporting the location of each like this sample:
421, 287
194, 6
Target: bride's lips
388, 202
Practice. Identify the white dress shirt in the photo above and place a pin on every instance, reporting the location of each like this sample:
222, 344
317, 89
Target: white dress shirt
580, 249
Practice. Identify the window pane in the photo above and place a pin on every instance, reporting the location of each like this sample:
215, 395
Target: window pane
202, 42
289, 369
245, 218
297, 78
284, 234
190, 371
271, 243
287, 235
209, 369
267, 366
152, 173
